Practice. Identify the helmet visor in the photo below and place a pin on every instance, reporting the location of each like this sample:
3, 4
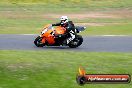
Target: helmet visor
63, 21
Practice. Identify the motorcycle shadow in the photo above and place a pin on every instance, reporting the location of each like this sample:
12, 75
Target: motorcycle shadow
57, 48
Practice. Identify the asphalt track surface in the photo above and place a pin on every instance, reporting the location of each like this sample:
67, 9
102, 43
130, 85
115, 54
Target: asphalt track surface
91, 43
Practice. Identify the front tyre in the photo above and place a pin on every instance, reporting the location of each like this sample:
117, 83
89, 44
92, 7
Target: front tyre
38, 42
76, 42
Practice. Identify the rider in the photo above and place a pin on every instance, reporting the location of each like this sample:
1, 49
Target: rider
69, 26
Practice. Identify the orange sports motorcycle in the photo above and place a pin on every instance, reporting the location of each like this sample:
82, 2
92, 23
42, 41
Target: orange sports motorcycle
51, 36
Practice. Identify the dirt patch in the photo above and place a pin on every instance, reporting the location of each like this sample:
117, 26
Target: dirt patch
96, 14
96, 24
123, 13
85, 15
110, 14
115, 14
90, 24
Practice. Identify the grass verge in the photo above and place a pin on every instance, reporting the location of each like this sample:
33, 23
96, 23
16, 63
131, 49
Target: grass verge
55, 69
124, 29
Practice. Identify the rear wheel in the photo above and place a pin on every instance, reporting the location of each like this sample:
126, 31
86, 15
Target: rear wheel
76, 42
38, 42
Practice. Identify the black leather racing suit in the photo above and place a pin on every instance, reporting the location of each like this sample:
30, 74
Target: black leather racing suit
70, 29
69, 25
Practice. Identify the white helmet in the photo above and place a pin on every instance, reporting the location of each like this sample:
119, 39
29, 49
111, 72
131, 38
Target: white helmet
64, 19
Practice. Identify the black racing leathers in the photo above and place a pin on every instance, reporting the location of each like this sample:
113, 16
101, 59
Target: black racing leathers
69, 26
70, 31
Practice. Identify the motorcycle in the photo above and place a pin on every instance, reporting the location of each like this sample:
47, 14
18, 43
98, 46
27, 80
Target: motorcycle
51, 36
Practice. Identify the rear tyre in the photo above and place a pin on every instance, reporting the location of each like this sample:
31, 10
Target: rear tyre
38, 42
76, 42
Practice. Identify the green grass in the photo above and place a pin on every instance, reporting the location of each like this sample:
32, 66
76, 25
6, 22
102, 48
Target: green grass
32, 23
34, 26
58, 69
124, 29
28, 16
65, 6
92, 4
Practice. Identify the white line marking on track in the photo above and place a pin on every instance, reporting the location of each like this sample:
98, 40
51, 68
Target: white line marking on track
28, 34
90, 35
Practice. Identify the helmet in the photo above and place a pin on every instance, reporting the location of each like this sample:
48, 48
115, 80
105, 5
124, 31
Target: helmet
64, 19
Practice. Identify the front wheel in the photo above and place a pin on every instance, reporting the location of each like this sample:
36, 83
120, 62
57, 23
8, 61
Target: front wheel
76, 42
38, 42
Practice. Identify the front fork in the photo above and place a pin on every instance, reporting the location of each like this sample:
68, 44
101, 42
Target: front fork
43, 39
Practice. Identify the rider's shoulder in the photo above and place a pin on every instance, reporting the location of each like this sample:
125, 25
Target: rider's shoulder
71, 22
